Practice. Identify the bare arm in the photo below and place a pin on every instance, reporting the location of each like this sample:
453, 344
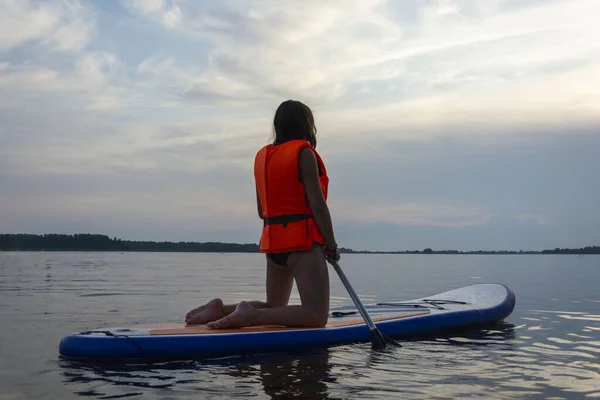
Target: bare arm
309, 171
258, 206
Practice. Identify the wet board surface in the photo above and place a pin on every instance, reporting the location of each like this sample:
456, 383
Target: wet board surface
463, 308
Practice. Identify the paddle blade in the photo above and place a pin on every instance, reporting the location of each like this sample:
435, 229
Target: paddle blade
378, 340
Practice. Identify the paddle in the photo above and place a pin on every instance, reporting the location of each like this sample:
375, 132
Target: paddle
378, 340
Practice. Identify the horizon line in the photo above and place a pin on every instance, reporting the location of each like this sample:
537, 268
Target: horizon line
342, 249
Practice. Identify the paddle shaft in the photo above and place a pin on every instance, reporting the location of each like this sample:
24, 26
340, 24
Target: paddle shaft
378, 340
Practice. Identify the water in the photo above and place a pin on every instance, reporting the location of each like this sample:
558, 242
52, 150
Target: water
549, 348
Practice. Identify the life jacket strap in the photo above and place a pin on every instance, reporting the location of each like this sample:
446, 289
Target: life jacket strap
285, 219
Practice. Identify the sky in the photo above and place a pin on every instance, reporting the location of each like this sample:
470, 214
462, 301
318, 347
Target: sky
449, 124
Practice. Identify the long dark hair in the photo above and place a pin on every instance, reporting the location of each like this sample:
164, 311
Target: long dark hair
294, 120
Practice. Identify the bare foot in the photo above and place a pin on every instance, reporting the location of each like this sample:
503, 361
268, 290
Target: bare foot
211, 311
241, 317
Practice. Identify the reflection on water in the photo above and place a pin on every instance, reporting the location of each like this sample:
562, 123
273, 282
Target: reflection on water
304, 375
548, 349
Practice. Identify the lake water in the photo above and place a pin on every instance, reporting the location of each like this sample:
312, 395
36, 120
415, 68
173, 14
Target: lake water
549, 348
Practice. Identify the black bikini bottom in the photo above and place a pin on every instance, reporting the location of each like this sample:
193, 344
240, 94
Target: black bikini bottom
279, 258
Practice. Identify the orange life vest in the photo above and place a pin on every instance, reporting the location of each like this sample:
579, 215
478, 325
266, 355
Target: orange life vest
288, 222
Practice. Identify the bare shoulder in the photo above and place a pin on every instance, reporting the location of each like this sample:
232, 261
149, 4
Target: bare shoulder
307, 159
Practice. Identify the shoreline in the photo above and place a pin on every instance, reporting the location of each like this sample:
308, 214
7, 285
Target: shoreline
102, 243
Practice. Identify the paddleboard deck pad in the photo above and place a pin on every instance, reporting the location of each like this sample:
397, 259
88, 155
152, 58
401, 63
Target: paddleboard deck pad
463, 308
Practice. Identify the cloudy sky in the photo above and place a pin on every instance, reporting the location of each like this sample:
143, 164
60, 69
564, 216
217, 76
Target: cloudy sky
451, 124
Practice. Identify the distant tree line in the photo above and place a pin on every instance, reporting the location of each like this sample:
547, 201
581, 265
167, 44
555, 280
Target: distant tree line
96, 242
583, 250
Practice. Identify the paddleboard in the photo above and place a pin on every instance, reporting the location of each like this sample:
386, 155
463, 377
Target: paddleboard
463, 308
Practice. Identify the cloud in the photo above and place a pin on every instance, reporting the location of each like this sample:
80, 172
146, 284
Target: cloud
89, 78
168, 15
323, 52
43, 54
61, 26
415, 214
90, 144
456, 63
277, 49
540, 219
145, 6
181, 85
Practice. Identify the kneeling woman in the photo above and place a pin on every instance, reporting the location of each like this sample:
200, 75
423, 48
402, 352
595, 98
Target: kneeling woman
297, 236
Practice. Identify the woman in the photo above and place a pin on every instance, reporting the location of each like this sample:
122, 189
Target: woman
297, 236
